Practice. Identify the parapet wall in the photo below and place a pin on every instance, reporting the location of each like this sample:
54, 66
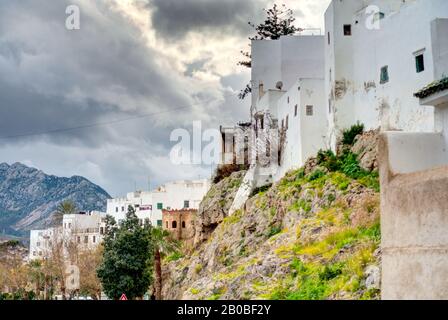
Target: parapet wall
414, 216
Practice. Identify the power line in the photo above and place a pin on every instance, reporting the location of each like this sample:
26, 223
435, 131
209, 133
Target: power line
106, 123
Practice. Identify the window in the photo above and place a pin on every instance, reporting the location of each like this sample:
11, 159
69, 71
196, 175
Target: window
262, 123
329, 106
86, 239
122, 209
102, 230
295, 111
183, 224
38, 244
384, 75
329, 38
94, 239
186, 204
378, 16
78, 239
420, 63
347, 29
160, 206
166, 224
69, 225
116, 209
174, 224
159, 223
65, 226
288, 99
287, 122
309, 110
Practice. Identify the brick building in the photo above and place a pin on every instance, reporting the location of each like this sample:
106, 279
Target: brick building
180, 223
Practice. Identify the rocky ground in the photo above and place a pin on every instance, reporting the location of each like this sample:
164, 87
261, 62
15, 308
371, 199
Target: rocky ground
313, 235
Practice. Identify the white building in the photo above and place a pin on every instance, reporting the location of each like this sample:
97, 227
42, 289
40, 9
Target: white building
288, 96
84, 230
377, 54
171, 196
306, 89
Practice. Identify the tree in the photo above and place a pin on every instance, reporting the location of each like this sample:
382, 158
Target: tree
127, 259
279, 22
65, 207
88, 263
163, 245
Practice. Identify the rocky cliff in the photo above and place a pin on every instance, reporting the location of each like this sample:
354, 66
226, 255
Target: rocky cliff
313, 235
28, 197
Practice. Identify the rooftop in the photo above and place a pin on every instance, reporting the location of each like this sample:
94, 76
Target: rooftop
432, 88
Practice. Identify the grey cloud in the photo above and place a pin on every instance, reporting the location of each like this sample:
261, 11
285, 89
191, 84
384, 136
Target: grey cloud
175, 18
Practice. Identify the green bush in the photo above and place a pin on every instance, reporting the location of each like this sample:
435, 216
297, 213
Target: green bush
349, 135
316, 174
273, 230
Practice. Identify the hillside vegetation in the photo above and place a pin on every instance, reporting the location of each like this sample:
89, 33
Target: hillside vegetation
313, 235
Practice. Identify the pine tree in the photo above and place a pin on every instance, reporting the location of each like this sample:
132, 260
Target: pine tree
127, 259
279, 22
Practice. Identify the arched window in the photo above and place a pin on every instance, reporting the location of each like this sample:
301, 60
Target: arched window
174, 224
166, 223
183, 224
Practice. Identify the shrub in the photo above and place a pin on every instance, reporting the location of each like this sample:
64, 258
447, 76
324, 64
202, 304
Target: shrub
349, 135
273, 230
316, 174
174, 257
224, 171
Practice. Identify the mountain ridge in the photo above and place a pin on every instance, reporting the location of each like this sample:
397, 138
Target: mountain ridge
29, 197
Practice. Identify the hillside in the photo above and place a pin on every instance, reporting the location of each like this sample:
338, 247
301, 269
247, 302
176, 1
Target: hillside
313, 235
28, 197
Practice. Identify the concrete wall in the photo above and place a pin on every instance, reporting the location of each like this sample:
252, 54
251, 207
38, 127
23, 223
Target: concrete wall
353, 63
286, 60
414, 217
439, 31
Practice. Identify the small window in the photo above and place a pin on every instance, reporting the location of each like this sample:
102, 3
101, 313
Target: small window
78, 239
38, 244
159, 223
384, 75
329, 38
69, 225
183, 224
174, 224
288, 99
94, 239
186, 204
295, 111
166, 224
102, 230
116, 209
160, 206
347, 29
262, 123
283, 124
420, 63
329, 106
378, 16
287, 122
122, 209
86, 239
309, 110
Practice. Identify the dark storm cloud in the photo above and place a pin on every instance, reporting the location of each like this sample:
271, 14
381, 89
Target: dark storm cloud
175, 18
53, 78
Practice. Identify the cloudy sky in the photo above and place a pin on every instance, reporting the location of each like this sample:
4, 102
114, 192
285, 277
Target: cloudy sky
101, 101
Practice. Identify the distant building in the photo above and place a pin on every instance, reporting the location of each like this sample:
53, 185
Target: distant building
184, 194
180, 223
84, 230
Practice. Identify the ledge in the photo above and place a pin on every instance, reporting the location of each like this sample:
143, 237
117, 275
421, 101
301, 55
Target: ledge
433, 88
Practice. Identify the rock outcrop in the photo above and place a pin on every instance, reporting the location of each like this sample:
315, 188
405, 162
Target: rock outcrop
313, 235
215, 206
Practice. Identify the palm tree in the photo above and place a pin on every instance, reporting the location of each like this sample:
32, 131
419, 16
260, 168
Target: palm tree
65, 207
163, 244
